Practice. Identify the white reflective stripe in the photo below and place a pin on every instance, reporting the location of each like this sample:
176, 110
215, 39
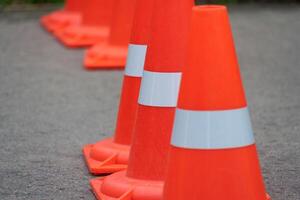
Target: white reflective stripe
212, 129
135, 60
159, 89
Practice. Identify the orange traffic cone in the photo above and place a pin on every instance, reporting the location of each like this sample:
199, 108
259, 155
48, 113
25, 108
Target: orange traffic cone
113, 52
143, 180
94, 26
70, 15
213, 155
111, 155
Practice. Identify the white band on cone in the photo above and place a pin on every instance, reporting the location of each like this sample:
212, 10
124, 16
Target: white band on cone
135, 60
159, 89
212, 129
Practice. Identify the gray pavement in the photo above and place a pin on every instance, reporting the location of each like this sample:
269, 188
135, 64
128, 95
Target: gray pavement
50, 106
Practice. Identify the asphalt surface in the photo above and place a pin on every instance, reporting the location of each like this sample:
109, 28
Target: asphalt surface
50, 106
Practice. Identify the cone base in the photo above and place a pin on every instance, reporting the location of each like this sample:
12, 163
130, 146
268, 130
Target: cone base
82, 36
105, 56
106, 157
119, 187
58, 20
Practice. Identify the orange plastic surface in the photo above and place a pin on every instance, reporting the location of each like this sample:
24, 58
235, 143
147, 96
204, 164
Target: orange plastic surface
49, 19
153, 128
231, 174
97, 12
105, 56
58, 20
73, 5
106, 156
131, 85
150, 145
112, 54
140, 32
169, 31
82, 36
127, 110
122, 22
94, 26
211, 80
119, 187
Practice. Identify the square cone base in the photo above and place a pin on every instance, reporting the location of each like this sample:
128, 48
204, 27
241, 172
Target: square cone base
105, 56
60, 19
82, 36
119, 187
106, 157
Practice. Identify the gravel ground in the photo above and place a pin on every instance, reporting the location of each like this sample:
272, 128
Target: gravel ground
50, 106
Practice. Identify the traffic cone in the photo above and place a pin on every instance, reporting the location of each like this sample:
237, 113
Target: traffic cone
213, 154
143, 180
111, 155
94, 26
57, 20
113, 52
